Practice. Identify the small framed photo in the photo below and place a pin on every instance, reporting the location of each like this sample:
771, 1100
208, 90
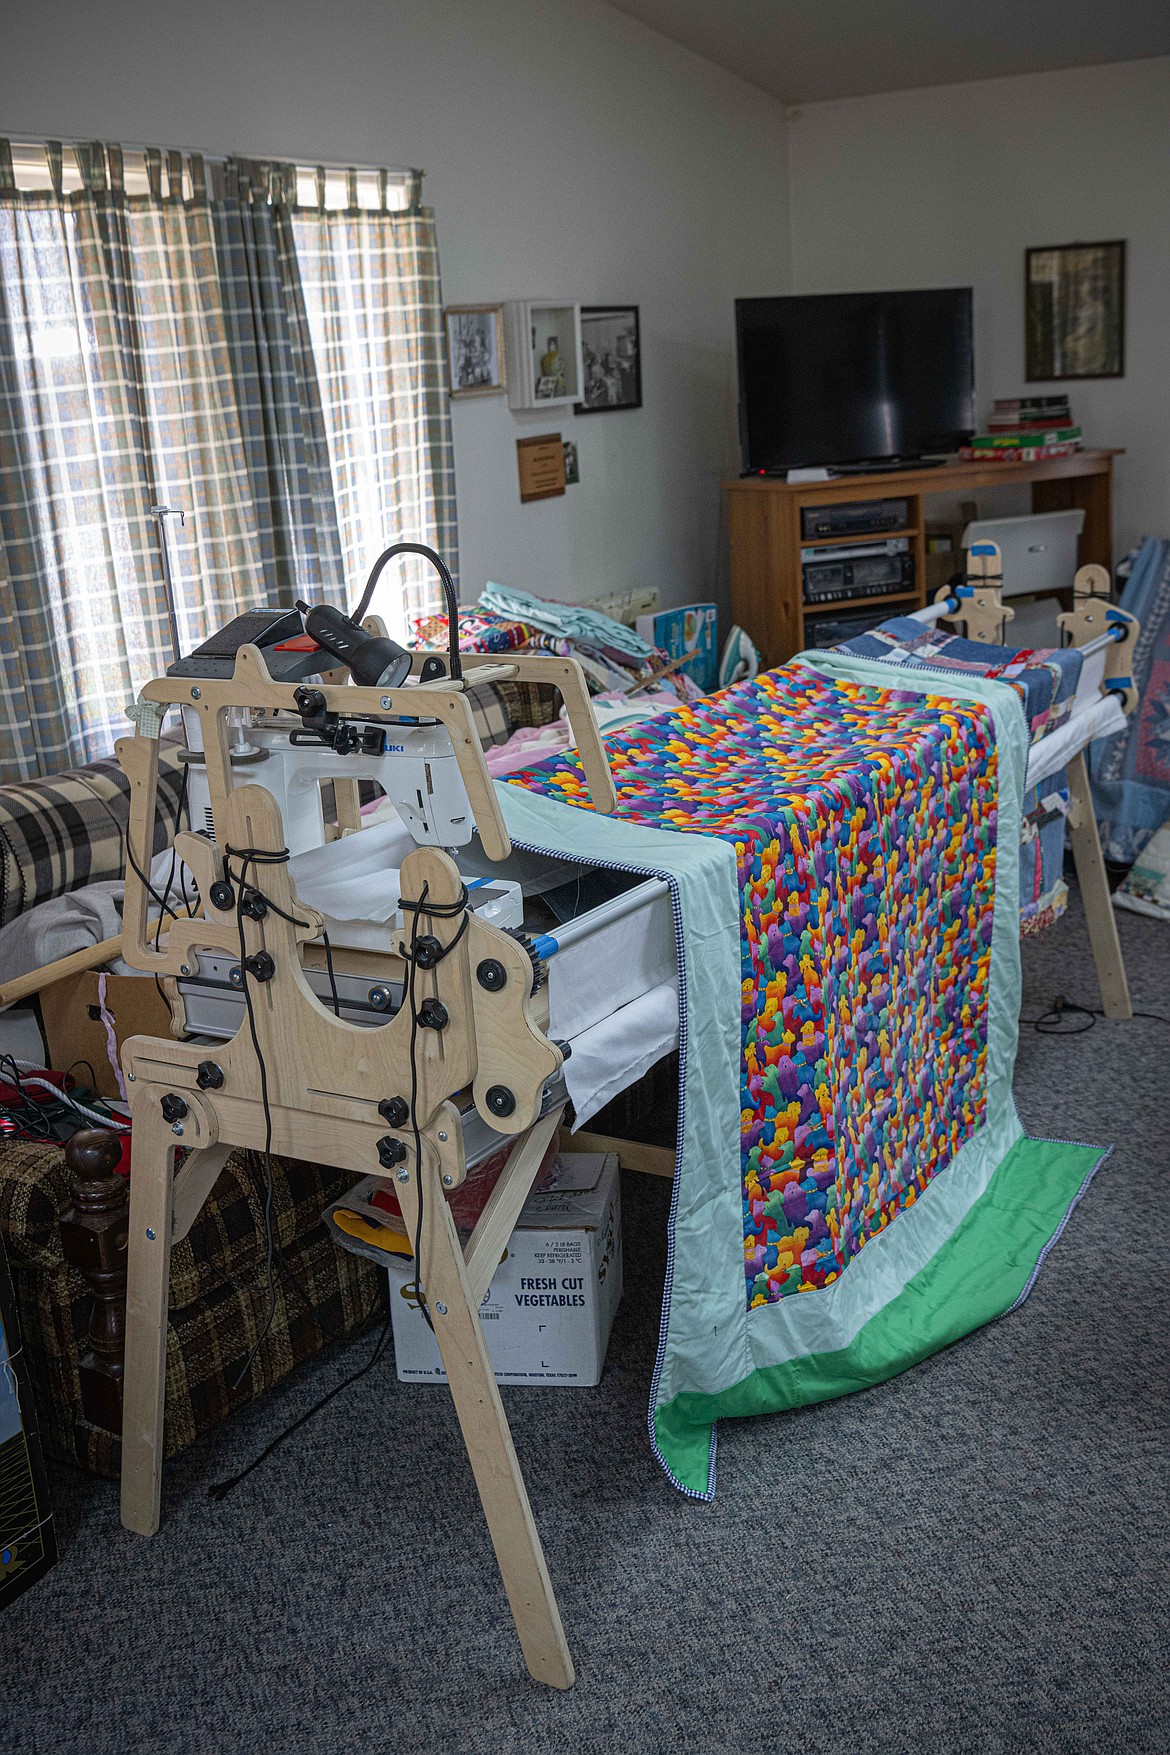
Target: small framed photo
476, 364
572, 463
611, 353
1075, 311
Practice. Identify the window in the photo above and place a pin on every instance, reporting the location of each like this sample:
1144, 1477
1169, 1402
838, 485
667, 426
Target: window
259, 345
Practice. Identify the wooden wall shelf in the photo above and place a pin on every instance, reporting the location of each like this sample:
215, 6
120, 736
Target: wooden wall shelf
763, 515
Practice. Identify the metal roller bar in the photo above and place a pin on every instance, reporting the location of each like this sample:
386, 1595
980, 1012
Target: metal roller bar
547, 944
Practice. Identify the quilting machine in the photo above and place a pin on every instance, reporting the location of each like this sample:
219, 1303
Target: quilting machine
403, 1057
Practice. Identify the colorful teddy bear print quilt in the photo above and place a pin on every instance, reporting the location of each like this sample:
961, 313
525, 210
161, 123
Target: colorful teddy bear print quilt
869, 1020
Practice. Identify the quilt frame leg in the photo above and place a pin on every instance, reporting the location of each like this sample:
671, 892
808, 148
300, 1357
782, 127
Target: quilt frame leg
1091, 875
147, 1297
487, 1437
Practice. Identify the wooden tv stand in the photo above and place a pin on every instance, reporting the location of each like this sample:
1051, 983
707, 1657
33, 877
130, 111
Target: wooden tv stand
764, 528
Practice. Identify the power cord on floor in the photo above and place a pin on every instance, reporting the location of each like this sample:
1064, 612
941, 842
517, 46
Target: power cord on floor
221, 1489
1052, 1022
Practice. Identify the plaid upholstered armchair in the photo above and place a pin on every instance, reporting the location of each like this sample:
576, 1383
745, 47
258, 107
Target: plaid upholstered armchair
64, 1212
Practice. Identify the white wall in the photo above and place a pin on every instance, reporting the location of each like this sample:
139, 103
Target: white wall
947, 187
569, 151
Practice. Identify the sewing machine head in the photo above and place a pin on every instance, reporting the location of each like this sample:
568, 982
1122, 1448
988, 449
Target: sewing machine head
293, 700
294, 751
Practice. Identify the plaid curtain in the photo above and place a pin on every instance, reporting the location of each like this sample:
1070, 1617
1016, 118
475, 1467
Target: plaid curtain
116, 394
82, 618
374, 307
274, 370
282, 427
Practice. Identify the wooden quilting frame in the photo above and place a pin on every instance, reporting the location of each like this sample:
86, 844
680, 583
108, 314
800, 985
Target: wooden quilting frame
315, 1086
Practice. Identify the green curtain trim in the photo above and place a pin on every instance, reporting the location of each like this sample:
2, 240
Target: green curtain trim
977, 1274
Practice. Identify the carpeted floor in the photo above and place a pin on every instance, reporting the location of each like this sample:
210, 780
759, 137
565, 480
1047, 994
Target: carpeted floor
971, 1558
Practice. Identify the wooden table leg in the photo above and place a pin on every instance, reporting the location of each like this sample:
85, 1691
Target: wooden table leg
488, 1439
147, 1294
1099, 915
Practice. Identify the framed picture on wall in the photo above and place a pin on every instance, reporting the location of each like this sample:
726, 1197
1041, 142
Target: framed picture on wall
476, 361
611, 357
1075, 311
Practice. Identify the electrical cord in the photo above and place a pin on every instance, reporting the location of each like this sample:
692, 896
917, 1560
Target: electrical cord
418, 548
166, 895
256, 856
437, 911
221, 1489
1050, 1023
419, 1290
32, 1115
249, 856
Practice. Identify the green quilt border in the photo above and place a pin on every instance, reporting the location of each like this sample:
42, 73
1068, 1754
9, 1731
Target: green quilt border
971, 1280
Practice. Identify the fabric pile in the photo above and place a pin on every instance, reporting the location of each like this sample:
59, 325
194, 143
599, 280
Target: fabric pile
622, 670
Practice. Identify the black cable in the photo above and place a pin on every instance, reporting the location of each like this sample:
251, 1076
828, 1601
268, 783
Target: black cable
332, 976
221, 1489
437, 911
247, 856
420, 1293
166, 895
428, 554
1049, 1023
251, 856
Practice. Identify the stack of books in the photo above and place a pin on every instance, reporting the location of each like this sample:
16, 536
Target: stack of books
1025, 429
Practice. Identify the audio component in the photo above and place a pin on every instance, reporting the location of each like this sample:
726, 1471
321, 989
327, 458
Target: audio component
866, 570
855, 518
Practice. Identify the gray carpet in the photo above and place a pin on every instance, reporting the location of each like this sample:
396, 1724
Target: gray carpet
970, 1558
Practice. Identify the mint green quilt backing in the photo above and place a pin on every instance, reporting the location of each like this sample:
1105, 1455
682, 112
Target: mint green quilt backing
853, 1188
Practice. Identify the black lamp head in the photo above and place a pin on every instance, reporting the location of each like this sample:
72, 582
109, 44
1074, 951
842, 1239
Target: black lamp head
374, 661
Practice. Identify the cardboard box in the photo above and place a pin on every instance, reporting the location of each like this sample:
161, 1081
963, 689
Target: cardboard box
691, 628
75, 1031
944, 547
549, 1309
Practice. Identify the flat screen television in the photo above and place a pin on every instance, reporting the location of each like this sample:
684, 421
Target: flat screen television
854, 378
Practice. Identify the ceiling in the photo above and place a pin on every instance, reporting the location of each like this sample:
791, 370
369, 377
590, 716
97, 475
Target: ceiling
803, 50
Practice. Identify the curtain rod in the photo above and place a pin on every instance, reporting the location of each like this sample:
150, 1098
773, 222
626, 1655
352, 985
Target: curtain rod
218, 158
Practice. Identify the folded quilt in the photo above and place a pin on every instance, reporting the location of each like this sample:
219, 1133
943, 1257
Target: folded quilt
1044, 677
849, 979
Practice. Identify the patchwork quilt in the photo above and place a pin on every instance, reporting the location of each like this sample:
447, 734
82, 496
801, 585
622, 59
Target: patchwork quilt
1044, 677
850, 1155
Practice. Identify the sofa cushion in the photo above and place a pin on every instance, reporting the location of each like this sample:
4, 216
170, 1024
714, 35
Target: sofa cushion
70, 830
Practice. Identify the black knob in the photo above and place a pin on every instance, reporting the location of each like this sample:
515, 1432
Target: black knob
491, 974
390, 1151
310, 702
566, 1049
433, 668
261, 966
173, 1107
254, 904
209, 1076
395, 1111
427, 951
500, 1100
222, 895
432, 1014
